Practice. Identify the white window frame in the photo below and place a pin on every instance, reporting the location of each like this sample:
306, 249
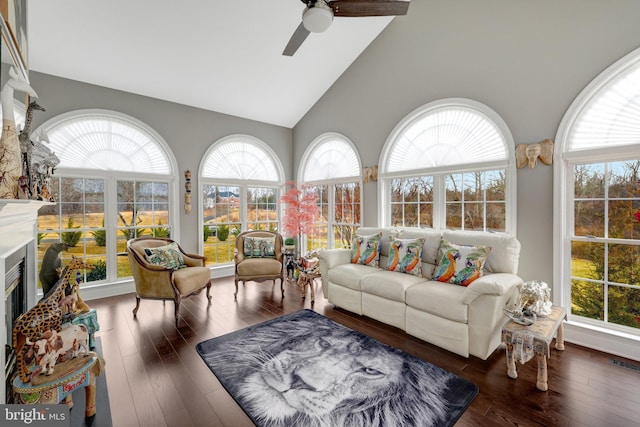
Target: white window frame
611, 338
331, 182
440, 173
242, 184
115, 285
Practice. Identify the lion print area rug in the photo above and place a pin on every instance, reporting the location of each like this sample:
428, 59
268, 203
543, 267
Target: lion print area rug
303, 369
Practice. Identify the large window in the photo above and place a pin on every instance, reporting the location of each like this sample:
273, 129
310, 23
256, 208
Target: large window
447, 165
331, 168
240, 180
598, 204
114, 182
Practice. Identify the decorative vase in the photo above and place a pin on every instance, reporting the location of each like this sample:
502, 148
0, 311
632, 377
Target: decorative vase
10, 160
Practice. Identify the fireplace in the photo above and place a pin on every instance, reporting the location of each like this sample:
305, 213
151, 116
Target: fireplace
18, 272
15, 304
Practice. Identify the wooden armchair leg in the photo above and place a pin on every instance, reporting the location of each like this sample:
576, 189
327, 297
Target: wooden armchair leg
209, 290
235, 294
135, 310
177, 308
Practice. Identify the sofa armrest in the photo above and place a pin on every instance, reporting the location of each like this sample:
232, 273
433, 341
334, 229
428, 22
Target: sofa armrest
491, 284
329, 259
334, 257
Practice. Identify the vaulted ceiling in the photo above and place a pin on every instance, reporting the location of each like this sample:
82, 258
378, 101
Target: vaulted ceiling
223, 56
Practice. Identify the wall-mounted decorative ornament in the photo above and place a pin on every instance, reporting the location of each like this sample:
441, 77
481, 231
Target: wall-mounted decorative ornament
530, 153
10, 154
187, 194
370, 173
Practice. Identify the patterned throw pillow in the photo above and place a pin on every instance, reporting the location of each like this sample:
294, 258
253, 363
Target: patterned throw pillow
460, 264
405, 256
260, 247
168, 256
365, 250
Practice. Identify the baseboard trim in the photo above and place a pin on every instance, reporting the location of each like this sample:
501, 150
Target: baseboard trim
617, 344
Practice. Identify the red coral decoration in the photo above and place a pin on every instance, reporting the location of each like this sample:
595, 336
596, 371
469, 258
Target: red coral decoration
301, 210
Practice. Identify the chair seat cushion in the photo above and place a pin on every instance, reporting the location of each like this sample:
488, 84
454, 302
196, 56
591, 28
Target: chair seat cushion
191, 279
259, 267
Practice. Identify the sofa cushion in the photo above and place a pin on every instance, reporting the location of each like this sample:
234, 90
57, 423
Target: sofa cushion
387, 233
365, 250
460, 264
441, 299
431, 241
505, 251
349, 275
405, 256
388, 284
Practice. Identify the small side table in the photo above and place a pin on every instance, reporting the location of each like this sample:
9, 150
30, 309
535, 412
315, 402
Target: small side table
525, 342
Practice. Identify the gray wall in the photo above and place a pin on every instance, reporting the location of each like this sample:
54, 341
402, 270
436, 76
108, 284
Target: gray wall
188, 131
527, 60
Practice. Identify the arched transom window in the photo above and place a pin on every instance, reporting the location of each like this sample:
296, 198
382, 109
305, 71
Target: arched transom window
240, 179
331, 167
447, 165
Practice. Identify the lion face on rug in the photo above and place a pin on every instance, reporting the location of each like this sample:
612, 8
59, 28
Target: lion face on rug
316, 376
302, 373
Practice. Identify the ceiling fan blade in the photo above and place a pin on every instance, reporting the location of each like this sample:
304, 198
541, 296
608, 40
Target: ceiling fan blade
355, 8
299, 35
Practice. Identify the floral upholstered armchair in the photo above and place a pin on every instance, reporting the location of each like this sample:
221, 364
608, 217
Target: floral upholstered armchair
258, 257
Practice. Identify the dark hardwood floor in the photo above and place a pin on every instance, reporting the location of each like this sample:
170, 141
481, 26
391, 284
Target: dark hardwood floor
156, 378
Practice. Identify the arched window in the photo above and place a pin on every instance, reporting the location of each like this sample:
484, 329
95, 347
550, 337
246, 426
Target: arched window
240, 178
115, 181
597, 205
331, 166
447, 165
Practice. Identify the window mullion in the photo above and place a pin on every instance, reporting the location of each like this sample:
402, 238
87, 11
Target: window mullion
331, 220
439, 202
110, 225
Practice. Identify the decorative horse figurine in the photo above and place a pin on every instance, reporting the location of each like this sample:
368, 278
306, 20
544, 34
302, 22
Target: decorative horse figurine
44, 316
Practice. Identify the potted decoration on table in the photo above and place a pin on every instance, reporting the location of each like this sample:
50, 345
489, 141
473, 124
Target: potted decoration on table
289, 244
300, 212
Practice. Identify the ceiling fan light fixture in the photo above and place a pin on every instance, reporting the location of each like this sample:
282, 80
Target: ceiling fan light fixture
318, 18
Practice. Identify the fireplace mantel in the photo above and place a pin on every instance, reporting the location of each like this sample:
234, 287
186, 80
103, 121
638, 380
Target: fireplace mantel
18, 230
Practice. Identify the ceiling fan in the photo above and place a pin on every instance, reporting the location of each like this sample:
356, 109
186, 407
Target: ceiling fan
318, 15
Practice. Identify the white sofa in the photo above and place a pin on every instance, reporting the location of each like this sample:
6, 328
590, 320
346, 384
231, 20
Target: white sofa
464, 320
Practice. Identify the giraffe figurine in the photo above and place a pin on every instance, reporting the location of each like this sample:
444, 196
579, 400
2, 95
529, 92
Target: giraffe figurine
81, 306
26, 146
44, 316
